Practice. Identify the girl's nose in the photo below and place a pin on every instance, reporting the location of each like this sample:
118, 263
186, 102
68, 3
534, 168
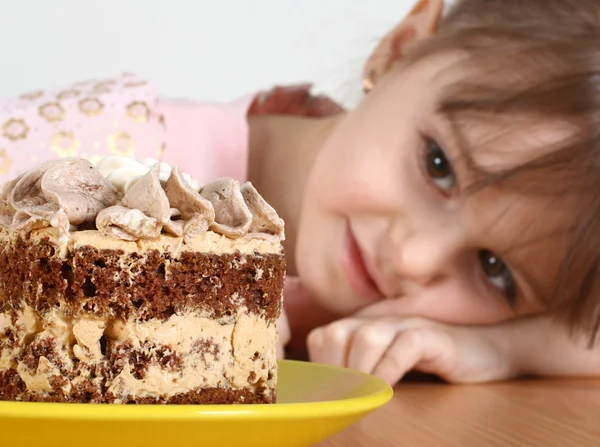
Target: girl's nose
426, 254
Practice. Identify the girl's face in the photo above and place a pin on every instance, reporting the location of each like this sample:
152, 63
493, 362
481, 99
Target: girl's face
386, 220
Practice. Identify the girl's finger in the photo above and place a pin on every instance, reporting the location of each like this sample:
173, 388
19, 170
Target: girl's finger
368, 345
411, 348
329, 344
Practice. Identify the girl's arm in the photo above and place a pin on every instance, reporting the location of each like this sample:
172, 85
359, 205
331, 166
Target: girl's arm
541, 347
390, 347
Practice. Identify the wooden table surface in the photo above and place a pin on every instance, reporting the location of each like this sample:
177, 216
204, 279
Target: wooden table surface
527, 413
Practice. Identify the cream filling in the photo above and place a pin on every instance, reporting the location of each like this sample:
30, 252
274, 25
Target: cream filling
228, 361
39, 381
209, 242
236, 352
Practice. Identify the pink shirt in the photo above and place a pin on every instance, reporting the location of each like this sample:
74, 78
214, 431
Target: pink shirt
124, 116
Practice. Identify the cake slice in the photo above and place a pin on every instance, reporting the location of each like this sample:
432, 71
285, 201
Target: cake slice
128, 283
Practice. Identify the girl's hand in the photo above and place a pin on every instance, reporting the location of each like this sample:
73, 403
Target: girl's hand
303, 315
390, 347
283, 328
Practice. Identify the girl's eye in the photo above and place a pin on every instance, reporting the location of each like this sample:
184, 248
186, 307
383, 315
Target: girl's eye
498, 274
439, 168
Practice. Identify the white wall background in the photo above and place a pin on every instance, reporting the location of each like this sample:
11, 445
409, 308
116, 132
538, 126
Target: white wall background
202, 49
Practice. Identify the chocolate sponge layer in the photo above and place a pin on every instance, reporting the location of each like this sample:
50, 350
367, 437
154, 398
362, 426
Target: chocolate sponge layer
111, 283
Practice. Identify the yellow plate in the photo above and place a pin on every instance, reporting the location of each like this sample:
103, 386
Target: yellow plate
314, 402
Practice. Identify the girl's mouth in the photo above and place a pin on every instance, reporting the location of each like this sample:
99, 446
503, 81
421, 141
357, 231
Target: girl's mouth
353, 265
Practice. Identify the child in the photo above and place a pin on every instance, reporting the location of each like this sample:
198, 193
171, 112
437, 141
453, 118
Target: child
447, 224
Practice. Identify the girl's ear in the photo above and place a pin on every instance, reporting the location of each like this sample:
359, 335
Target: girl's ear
420, 23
